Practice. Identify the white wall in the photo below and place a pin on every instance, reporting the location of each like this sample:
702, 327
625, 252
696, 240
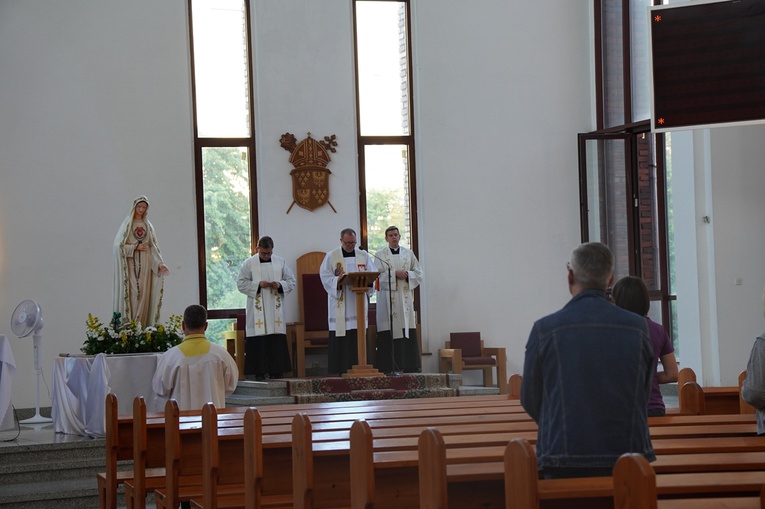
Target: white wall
718, 174
738, 180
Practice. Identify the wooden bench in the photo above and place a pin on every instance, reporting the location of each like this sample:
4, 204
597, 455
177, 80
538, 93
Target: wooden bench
707, 400
635, 488
118, 440
148, 460
396, 432
332, 416
523, 489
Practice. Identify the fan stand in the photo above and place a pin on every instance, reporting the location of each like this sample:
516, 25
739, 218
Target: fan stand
37, 419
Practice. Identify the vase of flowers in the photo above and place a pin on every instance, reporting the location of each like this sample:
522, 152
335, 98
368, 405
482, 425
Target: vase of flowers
129, 337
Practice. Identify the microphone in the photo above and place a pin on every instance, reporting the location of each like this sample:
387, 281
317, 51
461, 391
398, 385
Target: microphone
375, 256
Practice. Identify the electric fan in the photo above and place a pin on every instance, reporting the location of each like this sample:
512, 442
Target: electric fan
26, 320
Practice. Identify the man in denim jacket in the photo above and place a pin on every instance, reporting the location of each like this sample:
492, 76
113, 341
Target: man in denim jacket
587, 375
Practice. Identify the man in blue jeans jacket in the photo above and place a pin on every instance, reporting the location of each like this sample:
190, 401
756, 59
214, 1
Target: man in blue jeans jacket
587, 375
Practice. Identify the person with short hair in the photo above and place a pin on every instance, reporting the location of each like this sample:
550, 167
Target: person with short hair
630, 293
397, 348
197, 371
587, 375
266, 280
753, 386
341, 301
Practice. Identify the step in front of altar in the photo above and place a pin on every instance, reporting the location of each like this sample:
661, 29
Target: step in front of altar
328, 389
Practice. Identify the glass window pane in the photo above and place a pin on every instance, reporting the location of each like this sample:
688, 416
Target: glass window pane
216, 329
387, 180
613, 63
220, 68
670, 213
227, 222
639, 60
382, 68
607, 200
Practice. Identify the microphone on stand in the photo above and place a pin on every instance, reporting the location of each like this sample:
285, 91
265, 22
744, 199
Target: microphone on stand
393, 366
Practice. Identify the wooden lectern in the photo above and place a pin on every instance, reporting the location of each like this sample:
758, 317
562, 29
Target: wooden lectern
360, 282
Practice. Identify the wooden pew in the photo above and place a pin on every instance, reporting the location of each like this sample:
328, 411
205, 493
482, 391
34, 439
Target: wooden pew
118, 440
319, 480
190, 419
398, 438
744, 407
524, 490
404, 440
710, 400
635, 488
148, 460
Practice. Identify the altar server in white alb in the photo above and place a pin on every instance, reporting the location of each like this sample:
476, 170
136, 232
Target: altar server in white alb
343, 325
400, 275
266, 280
196, 371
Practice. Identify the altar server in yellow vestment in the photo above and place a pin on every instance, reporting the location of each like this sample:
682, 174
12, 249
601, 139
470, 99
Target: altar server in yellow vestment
266, 281
196, 371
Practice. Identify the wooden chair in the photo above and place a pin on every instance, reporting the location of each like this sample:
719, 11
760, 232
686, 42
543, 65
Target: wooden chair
465, 350
235, 343
312, 331
744, 407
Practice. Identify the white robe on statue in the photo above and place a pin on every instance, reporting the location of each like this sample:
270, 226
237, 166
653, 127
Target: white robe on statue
138, 282
400, 291
342, 303
194, 373
265, 306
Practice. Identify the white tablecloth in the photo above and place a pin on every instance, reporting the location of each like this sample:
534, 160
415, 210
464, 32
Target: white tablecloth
7, 373
80, 386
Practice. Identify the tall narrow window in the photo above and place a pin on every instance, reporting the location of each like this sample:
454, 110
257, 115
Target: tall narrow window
386, 142
224, 146
622, 179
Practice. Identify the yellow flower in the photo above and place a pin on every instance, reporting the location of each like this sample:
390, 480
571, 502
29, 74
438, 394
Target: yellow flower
148, 336
124, 337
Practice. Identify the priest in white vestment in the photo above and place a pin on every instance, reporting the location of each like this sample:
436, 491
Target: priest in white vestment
341, 301
400, 275
266, 280
197, 370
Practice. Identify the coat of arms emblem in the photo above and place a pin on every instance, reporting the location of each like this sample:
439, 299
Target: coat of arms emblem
310, 178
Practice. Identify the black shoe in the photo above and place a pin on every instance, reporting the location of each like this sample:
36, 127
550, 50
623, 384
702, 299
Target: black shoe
273, 376
260, 378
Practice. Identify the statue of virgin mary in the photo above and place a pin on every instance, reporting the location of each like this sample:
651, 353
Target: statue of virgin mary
138, 267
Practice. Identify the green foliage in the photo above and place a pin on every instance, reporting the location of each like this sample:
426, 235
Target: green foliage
129, 337
385, 207
227, 223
